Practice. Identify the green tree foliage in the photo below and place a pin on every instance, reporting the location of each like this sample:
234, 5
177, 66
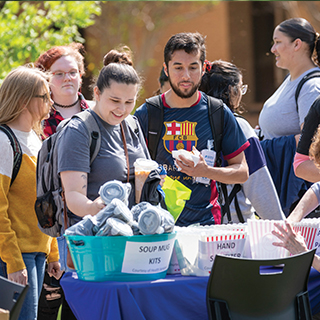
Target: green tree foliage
29, 28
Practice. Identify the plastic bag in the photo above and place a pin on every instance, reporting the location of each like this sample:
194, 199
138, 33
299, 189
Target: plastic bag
176, 196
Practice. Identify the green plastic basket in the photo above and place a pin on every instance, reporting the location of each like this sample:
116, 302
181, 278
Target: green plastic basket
110, 258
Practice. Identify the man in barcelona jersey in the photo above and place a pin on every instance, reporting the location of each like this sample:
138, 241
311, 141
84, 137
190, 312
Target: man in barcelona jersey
186, 125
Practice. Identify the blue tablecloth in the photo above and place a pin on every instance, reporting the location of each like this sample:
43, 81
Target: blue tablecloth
175, 297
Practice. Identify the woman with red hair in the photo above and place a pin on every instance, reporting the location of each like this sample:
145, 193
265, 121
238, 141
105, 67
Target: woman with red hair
67, 68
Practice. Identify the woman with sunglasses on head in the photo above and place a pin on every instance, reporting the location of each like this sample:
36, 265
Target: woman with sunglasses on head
67, 67
24, 103
223, 80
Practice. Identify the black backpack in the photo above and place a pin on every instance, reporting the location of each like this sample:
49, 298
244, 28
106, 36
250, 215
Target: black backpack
17, 152
216, 117
49, 205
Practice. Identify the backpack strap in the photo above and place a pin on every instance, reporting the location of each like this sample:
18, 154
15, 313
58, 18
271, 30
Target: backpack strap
233, 195
17, 152
94, 132
132, 123
95, 144
216, 119
236, 188
310, 75
155, 123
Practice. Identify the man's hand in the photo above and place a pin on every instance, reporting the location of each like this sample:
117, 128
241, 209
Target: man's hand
187, 166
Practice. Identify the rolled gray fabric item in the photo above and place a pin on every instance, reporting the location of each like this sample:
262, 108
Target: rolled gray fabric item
114, 189
150, 221
119, 228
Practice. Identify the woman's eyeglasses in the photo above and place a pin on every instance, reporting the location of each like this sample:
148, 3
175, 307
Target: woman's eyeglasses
44, 97
61, 74
244, 89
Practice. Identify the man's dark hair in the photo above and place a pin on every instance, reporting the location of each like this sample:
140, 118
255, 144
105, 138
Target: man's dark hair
163, 77
189, 42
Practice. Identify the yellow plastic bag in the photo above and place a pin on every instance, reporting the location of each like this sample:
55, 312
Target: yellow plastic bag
176, 196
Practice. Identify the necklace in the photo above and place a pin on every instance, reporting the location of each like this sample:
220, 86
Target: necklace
62, 106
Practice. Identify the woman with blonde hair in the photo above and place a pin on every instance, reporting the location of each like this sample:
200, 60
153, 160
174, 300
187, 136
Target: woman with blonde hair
66, 65
24, 103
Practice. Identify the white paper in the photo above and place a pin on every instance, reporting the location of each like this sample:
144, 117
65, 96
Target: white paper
187, 154
147, 257
208, 251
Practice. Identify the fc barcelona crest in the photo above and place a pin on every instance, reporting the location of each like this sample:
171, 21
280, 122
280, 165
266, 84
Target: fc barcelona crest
180, 135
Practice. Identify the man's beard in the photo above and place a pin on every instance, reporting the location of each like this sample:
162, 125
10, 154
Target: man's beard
182, 94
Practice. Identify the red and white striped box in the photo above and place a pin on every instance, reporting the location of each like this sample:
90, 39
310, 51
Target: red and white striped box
229, 244
261, 238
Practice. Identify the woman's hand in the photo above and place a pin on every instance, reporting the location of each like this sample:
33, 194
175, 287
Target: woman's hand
292, 241
54, 270
20, 277
99, 204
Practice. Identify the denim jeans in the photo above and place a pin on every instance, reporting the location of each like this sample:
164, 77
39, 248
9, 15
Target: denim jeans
35, 264
63, 251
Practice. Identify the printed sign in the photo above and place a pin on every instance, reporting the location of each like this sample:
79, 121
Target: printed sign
209, 247
147, 257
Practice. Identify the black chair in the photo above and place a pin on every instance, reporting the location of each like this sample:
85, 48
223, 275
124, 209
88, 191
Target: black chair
243, 289
12, 296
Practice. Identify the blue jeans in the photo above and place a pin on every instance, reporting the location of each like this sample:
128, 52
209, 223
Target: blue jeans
63, 251
35, 263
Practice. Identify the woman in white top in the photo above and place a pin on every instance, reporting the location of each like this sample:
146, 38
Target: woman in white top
296, 48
